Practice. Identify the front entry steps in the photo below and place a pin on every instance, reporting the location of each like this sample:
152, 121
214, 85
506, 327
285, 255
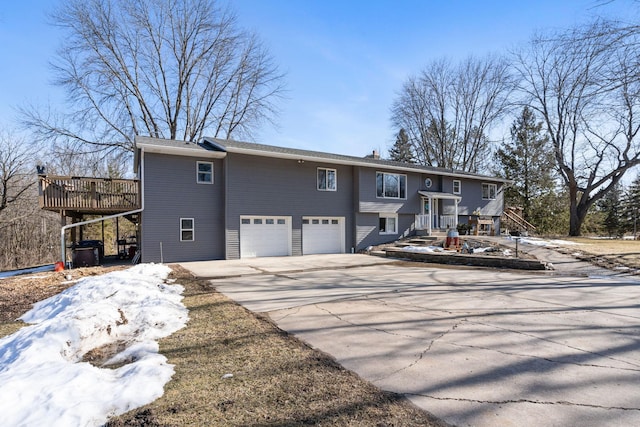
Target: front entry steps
417, 241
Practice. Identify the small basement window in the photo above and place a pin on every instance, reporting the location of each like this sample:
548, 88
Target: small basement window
204, 172
388, 224
187, 230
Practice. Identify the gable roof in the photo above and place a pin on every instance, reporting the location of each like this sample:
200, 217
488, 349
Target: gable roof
217, 148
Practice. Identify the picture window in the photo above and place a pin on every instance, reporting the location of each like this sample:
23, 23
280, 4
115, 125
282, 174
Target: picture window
391, 185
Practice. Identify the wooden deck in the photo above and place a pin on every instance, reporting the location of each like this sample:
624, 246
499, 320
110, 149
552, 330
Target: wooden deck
88, 196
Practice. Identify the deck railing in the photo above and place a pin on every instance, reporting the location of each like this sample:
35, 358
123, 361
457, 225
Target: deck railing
88, 194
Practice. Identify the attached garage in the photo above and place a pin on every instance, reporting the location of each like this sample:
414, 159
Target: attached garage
265, 236
322, 235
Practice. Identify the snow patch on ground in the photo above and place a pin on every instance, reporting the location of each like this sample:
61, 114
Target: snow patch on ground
423, 249
536, 241
43, 378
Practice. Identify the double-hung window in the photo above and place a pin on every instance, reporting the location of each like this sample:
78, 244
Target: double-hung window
187, 230
204, 173
489, 191
391, 185
457, 186
327, 179
388, 224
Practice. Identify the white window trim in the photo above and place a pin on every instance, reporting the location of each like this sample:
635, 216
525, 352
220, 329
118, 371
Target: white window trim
335, 173
495, 191
399, 188
192, 229
388, 215
198, 163
459, 186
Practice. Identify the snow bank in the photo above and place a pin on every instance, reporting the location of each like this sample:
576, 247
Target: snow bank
43, 380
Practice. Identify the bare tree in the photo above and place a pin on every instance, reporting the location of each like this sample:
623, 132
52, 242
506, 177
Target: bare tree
26, 233
448, 111
15, 173
585, 85
175, 69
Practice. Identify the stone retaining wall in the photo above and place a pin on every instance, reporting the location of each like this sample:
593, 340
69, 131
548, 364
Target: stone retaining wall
468, 259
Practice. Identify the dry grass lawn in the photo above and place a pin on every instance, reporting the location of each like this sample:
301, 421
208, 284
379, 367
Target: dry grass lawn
610, 253
277, 380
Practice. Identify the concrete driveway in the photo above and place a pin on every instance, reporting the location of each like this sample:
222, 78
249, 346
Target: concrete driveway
474, 347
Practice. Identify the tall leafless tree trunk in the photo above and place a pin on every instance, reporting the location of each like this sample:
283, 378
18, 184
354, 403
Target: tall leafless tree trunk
175, 69
448, 111
585, 85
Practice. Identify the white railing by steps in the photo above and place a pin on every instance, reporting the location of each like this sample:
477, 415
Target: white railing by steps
448, 221
445, 222
422, 222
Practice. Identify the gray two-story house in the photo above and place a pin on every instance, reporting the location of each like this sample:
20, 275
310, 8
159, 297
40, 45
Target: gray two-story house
220, 199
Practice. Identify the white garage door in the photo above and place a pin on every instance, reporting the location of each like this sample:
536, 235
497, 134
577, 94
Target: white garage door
322, 235
265, 236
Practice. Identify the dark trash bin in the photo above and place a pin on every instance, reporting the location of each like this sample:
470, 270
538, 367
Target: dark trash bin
97, 244
86, 257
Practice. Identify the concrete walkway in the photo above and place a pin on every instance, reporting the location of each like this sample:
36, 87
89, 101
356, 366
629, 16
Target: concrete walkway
474, 347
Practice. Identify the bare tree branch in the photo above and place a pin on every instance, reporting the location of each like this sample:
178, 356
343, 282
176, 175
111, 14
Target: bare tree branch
448, 110
585, 85
164, 68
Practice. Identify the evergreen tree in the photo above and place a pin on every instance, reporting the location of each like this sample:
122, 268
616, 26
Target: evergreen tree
631, 208
609, 205
528, 161
402, 151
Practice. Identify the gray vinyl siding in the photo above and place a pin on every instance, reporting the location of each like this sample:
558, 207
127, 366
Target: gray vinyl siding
369, 202
171, 193
472, 198
266, 186
368, 234
369, 207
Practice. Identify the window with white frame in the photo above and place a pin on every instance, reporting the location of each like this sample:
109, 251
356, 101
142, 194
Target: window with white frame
204, 173
187, 231
388, 224
391, 185
489, 191
457, 186
327, 179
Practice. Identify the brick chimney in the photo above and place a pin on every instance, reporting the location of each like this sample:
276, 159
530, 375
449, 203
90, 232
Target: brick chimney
374, 155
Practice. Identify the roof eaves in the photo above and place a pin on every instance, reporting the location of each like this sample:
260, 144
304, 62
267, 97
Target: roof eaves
176, 148
307, 155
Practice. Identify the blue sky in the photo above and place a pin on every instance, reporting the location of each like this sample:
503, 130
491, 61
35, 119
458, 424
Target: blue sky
345, 60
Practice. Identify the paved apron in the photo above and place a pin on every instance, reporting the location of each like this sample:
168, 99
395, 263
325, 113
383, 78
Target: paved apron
474, 347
